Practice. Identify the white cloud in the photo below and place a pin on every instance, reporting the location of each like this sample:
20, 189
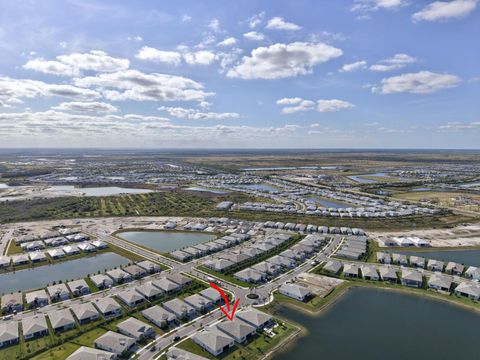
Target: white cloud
95, 60
254, 36
135, 85
160, 56
136, 38
289, 101
13, 90
296, 104
354, 66
367, 6
202, 57
50, 67
226, 59
455, 126
423, 82
195, 114
86, 107
395, 62
256, 20
445, 10
283, 60
303, 105
230, 41
333, 105
186, 18
278, 23
214, 25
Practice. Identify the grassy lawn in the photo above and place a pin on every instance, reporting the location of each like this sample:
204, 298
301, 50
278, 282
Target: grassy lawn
253, 349
58, 353
314, 304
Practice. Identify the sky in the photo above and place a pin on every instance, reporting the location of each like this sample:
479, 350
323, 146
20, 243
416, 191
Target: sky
240, 74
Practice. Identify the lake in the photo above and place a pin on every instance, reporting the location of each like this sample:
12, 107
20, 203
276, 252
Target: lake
361, 180
328, 203
467, 257
198, 188
375, 324
166, 241
97, 191
261, 187
40, 276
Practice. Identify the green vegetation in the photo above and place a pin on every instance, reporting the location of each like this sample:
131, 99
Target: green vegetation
188, 203
227, 278
314, 304
255, 348
60, 345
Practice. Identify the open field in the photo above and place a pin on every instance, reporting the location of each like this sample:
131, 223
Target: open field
180, 203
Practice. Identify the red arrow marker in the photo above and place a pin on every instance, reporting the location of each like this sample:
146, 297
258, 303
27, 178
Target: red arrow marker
226, 312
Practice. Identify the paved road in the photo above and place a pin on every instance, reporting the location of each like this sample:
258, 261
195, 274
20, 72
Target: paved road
7, 236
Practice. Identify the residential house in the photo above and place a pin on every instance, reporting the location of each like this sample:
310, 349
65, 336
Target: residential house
198, 302
12, 302
8, 333
61, 319
469, 290
108, 307
85, 312
58, 292
435, 265
440, 282
136, 329
412, 278
213, 340
115, 343
149, 291
102, 281
180, 308
78, 287
239, 330
350, 270
34, 326
86, 353
119, 276
38, 298
130, 297
332, 266
159, 316
295, 291
454, 268
254, 317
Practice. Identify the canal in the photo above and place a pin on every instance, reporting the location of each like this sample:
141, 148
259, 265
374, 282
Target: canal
375, 324
166, 241
39, 277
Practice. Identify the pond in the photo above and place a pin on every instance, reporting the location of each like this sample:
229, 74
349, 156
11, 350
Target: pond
166, 241
40, 276
376, 325
467, 257
199, 188
97, 191
330, 203
261, 187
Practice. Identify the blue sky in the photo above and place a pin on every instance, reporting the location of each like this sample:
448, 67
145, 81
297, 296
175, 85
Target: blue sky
306, 74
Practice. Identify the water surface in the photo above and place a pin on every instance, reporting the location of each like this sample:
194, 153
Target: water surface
467, 257
166, 241
40, 276
97, 191
376, 325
